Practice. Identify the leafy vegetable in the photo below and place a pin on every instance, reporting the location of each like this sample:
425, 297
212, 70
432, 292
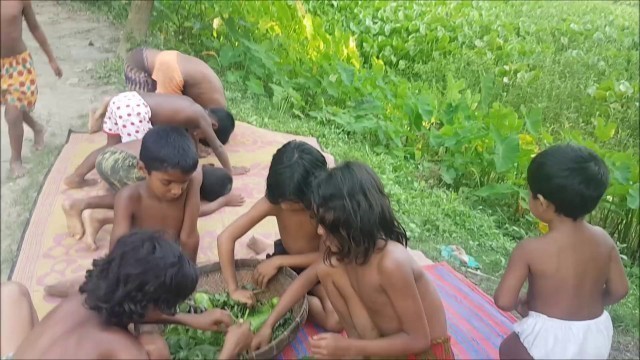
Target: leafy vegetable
186, 343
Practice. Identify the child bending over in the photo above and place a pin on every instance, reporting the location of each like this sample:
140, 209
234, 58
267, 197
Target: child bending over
292, 170
118, 167
386, 302
573, 271
129, 115
141, 280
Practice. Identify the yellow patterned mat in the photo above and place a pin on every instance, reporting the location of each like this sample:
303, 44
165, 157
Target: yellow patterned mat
48, 254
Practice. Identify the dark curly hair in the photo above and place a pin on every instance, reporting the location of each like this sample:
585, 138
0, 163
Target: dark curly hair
349, 202
143, 270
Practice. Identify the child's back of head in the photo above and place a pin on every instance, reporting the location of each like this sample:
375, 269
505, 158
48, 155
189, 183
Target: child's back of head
293, 168
216, 182
350, 203
226, 123
168, 148
573, 178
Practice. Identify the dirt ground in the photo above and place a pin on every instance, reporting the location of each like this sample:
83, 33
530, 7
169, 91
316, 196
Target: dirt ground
80, 42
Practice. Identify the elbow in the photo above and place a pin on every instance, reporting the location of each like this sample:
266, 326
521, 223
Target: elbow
504, 304
420, 345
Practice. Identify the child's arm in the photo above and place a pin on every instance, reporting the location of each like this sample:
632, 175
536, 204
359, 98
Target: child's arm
268, 268
617, 285
189, 237
508, 291
226, 246
122, 215
296, 291
397, 278
41, 38
204, 123
231, 199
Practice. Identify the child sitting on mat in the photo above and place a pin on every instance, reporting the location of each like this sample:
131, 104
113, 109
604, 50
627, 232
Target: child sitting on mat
573, 271
129, 115
118, 167
168, 200
384, 299
292, 169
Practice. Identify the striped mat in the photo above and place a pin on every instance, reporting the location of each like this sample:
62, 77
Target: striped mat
476, 326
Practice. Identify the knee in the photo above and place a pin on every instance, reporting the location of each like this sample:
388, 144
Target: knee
13, 115
14, 291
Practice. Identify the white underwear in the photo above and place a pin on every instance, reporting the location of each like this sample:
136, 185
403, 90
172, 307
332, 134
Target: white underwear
549, 338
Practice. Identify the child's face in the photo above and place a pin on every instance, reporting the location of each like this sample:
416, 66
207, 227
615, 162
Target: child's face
167, 185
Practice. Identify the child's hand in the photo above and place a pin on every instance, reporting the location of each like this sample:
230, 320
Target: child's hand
523, 307
239, 170
243, 296
211, 320
262, 338
234, 199
330, 346
265, 271
56, 68
237, 340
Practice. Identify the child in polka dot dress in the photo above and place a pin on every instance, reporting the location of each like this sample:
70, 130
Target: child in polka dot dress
128, 115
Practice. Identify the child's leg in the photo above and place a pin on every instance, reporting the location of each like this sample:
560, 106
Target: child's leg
77, 178
94, 220
38, 130
73, 209
64, 288
321, 311
96, 117
18, 316
512, 348
259, 246
14, 117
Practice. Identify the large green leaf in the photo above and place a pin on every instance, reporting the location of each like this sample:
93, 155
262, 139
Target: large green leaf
533, 119
506, 153
496, 189
605, 130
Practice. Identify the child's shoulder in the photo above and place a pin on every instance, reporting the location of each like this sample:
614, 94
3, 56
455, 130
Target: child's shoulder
393, 256
131, 192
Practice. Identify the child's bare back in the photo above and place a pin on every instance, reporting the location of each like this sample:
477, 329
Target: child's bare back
568, 271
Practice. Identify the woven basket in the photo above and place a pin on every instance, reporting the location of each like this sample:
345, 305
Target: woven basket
211, 280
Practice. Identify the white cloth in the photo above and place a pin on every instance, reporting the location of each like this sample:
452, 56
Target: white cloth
549, 338
128, 115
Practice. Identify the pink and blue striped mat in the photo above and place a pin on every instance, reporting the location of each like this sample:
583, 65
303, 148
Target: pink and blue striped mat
476, 326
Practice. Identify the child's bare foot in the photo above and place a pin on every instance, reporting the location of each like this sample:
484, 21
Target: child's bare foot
234, 199
17, 169
259, 245
96, 116
38, 137
72, 209
74, 182
64, 288
93, 225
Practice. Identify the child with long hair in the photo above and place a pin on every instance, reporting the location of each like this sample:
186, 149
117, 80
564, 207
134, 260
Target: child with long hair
385, 301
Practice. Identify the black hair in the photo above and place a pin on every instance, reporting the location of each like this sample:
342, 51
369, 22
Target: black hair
144, 269
226, 125
167, 148
216, 183
350, 203
292, 171
571, 177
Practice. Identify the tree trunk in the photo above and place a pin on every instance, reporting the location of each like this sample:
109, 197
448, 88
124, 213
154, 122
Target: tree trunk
135, 30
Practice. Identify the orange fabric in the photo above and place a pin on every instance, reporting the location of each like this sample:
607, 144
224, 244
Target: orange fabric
440, 349
19, 86
166, 73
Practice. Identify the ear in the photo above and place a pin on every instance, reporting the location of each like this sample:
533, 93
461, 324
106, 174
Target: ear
545, 204
142, 169
214, 124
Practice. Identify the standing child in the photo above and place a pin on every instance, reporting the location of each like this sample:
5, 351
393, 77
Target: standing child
386, 302
19, 85
573, 271
292, 170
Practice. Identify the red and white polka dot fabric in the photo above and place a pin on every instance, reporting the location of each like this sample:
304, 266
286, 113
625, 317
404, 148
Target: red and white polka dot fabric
128, 115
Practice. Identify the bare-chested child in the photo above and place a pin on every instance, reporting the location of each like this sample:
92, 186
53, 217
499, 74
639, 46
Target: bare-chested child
168, 200
292, 170
129, 115
573, 271
118, 167
172, 72
141, 280
19, 82
384, 299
